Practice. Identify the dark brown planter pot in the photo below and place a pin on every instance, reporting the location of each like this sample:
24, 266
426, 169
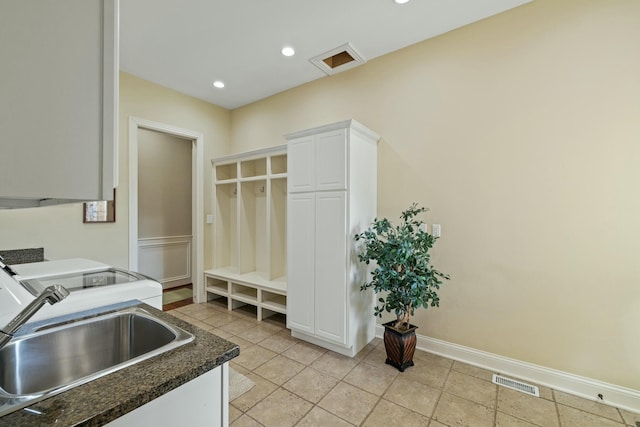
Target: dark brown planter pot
400, 345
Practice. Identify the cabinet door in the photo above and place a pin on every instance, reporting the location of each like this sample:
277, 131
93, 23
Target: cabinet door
331, 266
58, 115
301, 261
203, 398
331, 161
300, 164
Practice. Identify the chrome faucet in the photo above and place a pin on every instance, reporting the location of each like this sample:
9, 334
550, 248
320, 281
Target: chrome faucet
51, 294
10, 271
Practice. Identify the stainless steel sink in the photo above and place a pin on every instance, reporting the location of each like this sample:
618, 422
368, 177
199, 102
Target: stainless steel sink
46, 362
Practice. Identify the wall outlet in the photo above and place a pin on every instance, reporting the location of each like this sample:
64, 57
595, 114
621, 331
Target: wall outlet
209, 219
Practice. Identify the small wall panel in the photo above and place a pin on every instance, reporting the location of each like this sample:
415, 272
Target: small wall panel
166, 259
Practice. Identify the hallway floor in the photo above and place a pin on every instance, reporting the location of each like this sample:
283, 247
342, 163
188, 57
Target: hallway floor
300, 384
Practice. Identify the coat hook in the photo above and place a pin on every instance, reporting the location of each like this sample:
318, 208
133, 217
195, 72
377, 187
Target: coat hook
262, 189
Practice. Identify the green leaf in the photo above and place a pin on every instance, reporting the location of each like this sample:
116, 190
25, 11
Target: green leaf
403, 270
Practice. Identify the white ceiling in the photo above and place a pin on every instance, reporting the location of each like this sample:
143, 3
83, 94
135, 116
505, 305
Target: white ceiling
187, 44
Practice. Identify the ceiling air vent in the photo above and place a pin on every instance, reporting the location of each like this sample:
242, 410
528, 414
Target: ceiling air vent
339, 59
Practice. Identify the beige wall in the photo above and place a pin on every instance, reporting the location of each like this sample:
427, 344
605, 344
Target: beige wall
59, 229
520, 133
164, 185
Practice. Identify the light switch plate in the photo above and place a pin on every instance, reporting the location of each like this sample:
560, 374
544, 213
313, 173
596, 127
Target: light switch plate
436, 230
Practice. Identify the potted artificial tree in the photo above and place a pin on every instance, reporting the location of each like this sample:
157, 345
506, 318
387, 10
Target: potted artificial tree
404, 273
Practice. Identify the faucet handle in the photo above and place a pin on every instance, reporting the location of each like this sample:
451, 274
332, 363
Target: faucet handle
55, 293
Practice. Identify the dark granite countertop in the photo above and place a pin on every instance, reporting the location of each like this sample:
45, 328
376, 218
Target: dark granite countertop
105, 399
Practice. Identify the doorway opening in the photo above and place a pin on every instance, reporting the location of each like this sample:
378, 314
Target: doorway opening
182, 253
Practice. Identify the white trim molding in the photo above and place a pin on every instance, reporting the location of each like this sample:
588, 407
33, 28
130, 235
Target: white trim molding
157, 251
197, 210
587, 388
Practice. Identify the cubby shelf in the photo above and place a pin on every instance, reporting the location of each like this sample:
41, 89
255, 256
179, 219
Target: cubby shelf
268, 296
249, 253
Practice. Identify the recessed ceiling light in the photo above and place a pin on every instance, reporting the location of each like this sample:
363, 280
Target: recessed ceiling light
288, 51
218, 84
401, 1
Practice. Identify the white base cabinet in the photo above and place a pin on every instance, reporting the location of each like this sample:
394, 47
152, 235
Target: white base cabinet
331, 197
202, 402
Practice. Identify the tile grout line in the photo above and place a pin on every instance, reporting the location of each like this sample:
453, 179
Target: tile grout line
313, 405
381, 397
252, 371
249, 370
340, 380
555, 402
495, 413
467, 399
435, 407
189, 314
318, 404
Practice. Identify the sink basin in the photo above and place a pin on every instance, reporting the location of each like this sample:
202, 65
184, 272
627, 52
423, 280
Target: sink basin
49, 361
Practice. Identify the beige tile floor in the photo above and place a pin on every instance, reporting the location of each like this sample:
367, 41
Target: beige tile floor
300, 384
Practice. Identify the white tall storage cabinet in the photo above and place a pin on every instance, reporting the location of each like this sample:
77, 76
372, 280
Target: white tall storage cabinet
331, 196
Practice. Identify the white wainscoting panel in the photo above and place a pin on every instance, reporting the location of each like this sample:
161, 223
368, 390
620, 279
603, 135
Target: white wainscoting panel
166, 259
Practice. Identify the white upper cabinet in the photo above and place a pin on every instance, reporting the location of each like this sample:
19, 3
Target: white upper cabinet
302, 172
331, 153
58, 101
321, 163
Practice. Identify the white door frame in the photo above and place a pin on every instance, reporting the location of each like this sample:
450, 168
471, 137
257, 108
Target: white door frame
197, 191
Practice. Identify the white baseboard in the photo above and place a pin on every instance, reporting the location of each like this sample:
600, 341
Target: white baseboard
613, 395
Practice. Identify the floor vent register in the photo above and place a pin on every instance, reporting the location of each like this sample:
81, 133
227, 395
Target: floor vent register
516, 385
